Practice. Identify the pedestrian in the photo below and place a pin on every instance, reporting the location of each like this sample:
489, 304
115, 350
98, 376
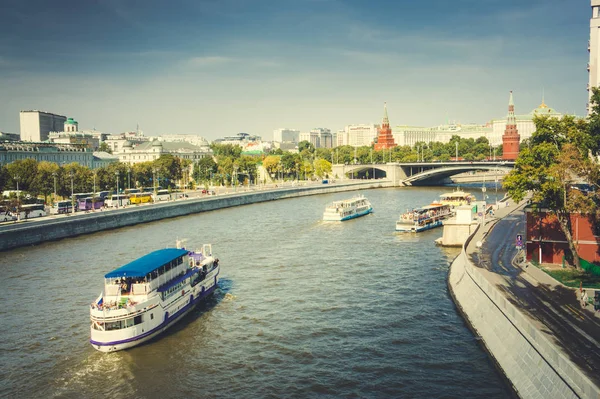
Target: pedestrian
585, 298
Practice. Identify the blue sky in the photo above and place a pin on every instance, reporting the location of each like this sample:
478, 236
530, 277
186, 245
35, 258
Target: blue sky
220, 67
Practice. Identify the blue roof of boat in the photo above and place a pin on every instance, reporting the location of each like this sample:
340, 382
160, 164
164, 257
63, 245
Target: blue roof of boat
147, 263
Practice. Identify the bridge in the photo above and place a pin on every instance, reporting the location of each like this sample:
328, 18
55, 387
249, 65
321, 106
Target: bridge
418, 173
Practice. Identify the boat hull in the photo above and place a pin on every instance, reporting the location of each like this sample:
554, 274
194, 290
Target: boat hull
412, 228
337, 218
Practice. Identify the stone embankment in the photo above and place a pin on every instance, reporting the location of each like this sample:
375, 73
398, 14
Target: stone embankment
47, 229
534, 365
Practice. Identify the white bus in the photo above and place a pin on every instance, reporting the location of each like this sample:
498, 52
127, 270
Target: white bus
117, 200
161, 195
61, 207
30, 211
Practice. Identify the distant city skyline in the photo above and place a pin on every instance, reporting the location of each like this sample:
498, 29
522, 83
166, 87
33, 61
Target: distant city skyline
216, 68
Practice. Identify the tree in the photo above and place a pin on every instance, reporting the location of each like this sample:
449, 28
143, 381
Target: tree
555, 157
306, 145
43, 182
322, 167
271, 163
104, 147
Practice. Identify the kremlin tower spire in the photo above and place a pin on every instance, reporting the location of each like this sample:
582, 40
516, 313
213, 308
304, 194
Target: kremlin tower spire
384, 137
510, 138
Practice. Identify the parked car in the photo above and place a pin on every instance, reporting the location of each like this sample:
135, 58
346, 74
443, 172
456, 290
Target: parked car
204, 191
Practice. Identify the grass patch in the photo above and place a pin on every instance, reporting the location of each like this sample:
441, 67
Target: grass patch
572, 277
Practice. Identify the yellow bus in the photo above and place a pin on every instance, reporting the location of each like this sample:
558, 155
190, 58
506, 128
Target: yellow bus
140, 198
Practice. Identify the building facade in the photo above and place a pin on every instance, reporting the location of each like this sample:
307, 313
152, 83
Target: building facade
36, 125
285, 135
116, 142
152, 150
357, 135
56, 153
71, 135
411, 135
546, 243
593, 66
240, 139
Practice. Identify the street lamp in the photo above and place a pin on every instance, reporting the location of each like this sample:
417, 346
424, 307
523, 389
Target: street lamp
128, 178
372, 164
94, 194
456, 144
54, 175
154, 171
72, 198
118, 196
18, 200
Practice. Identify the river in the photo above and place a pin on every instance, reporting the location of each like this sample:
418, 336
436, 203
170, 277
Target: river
304, 308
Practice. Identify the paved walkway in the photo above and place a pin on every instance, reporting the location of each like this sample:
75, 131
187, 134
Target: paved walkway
552, 307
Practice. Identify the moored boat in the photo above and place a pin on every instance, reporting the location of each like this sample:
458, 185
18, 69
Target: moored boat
347, 209
456, 198
425, 218
148, 295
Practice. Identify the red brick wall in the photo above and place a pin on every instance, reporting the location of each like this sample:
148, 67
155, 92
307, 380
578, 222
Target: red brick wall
553, 241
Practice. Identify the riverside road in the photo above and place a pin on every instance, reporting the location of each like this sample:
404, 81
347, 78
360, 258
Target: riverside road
554, 308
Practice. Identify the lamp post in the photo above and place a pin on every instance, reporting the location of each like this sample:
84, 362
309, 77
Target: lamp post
118, 196
456, 144
372, 164
94, 194
128, 177
54, 199
72, 198
154, 184
18, 199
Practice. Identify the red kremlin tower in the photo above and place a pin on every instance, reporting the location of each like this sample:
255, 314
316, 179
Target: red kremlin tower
384, 137
510, 138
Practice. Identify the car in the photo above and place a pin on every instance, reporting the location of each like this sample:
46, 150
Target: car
6, 217
204, 191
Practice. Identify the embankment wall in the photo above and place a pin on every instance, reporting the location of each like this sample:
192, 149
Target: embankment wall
532, 363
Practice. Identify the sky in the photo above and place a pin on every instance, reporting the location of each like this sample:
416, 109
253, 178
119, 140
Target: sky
219, 67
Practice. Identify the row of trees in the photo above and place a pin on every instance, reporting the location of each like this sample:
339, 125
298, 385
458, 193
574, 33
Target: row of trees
44, 178
560, 153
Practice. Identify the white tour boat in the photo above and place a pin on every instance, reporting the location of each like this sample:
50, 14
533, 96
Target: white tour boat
425, 218
148, 295
347, 209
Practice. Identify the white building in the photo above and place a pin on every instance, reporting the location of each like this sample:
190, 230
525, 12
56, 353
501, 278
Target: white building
152, 150
116, 142
357, 135
285, 135
241, 139
594, 50
72, 135
36, 125
312, 137
194, 139
410, 135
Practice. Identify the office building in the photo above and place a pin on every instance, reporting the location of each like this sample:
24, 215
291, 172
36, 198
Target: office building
36, 125
285, 135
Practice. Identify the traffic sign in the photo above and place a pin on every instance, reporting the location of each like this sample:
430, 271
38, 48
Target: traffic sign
519, 241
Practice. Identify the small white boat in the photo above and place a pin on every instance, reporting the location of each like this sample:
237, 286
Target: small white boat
425, 218
148, 295
347, 209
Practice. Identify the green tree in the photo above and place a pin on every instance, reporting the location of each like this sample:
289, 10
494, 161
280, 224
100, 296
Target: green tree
554, 159
306, 145
104, 147
322, 167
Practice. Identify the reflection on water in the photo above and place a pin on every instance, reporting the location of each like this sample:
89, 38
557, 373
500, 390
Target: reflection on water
304, 308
